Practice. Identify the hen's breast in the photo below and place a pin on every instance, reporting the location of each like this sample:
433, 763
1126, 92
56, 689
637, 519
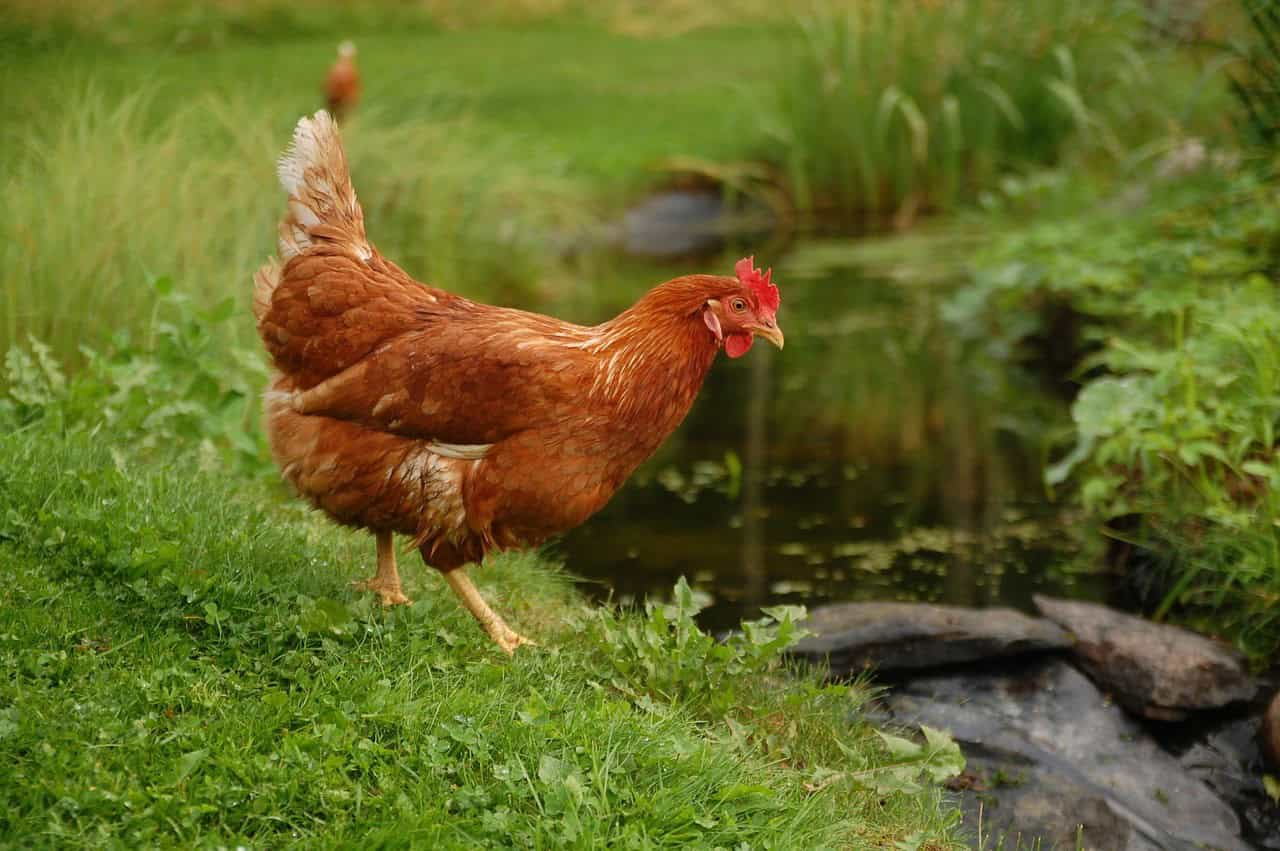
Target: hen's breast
546, 481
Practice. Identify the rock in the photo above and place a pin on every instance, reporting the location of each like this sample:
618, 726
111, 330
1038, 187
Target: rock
1052, 753
897, 636
1270, 733
673, 224
689, 222
1027, 805
1227, 758
1155, 670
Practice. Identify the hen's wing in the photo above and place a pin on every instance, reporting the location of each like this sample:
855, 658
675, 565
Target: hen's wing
360, 340
367, 344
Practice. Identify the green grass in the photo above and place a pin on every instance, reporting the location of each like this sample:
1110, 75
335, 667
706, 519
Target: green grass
187, 667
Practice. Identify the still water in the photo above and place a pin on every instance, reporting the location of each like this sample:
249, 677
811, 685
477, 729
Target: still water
879, 457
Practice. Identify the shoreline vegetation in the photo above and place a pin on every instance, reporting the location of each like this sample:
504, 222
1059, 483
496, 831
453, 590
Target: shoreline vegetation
190, 668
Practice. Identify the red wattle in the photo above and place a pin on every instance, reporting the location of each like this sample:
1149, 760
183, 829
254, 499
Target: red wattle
736, 345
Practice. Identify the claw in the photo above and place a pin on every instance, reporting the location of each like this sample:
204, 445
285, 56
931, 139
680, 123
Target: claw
388, 594
512, 640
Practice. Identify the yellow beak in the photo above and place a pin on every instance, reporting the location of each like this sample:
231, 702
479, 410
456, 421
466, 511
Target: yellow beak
772, 333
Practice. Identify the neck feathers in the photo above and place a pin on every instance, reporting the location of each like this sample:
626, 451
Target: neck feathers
653, 357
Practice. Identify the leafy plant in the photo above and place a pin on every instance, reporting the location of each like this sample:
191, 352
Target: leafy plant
934, 760
184, 386
665, 655
1176, 350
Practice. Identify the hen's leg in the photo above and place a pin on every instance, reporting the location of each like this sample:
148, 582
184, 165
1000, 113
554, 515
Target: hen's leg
386, 582
507, 638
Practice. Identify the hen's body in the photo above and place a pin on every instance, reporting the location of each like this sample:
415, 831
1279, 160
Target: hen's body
472, 428
469, 427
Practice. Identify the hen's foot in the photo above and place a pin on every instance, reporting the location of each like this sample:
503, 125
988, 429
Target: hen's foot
510, 640
386, 582
505, 637
389, 594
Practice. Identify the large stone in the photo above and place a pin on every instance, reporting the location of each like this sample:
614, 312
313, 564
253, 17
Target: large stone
903, 636
1227, 757
1155, 670
1051, 754
689, 222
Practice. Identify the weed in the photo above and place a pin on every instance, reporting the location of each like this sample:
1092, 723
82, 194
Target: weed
665, 655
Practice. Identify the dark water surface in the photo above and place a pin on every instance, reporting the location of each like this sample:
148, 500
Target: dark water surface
879, 457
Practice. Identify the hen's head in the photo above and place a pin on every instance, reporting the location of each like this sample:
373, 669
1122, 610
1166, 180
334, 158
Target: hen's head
745, 308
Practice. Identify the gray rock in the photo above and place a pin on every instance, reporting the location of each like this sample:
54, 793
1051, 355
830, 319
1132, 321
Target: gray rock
1011, 802
673, 224
689, 222
900, 636
1155, 670
1049, 747
1227, 758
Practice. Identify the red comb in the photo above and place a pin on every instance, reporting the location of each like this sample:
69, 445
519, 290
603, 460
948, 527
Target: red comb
758, 282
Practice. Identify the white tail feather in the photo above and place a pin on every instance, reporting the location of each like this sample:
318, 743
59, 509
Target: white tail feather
322, 205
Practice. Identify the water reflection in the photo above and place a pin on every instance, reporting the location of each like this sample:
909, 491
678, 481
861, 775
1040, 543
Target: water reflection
879, 459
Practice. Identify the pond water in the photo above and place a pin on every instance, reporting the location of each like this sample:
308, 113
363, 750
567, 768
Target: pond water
876, 458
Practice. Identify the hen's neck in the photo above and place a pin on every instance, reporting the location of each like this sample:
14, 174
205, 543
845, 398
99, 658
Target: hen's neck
652, 360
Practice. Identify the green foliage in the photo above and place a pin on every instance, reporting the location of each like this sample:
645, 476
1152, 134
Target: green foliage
888, 108
184, 386
934, 760
1177, 349
664, 659
665, 655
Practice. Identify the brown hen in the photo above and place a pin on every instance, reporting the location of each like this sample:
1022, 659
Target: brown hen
342, 83
400, 407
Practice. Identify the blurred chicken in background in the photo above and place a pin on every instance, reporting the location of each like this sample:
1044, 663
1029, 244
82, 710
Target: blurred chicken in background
342, 85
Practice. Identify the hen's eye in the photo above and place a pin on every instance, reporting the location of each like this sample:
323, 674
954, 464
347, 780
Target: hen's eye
739, 305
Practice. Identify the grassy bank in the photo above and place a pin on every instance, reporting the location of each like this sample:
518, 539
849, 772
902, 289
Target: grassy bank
188, 667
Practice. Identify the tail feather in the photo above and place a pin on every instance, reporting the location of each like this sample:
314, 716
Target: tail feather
322, 205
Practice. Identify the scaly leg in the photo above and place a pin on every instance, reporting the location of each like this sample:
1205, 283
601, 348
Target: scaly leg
386, 582
507, 638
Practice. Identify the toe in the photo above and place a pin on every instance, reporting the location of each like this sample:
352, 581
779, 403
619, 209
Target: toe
510, 642
394, 598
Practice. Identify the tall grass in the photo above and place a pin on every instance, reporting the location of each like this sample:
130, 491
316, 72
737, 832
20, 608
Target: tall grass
111, 194
895, 106
1256, 82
